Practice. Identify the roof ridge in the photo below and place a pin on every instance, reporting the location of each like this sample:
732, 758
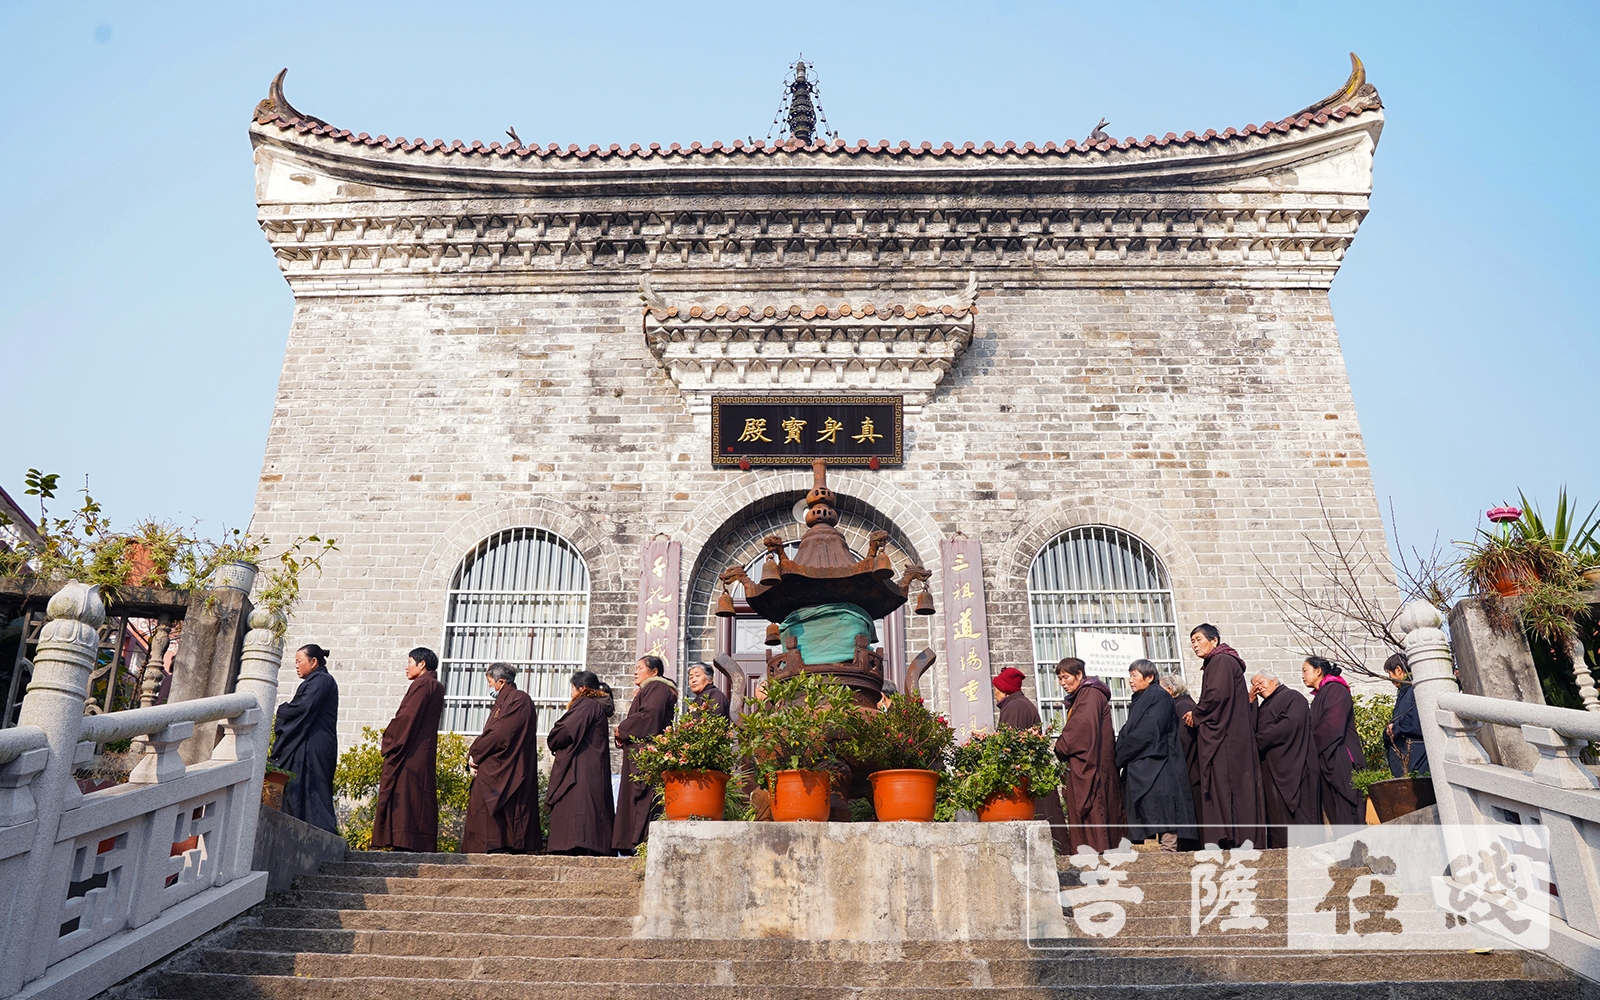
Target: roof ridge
1355, 98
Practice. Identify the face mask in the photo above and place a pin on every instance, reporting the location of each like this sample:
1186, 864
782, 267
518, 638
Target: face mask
493, 693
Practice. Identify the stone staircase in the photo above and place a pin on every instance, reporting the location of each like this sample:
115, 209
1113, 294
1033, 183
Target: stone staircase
453, 927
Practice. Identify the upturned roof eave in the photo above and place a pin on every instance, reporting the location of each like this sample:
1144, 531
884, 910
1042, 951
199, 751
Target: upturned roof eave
1170, 166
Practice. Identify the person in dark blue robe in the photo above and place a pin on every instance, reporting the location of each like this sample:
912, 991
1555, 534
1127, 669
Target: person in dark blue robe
307, 741
1402, 738
1155, 773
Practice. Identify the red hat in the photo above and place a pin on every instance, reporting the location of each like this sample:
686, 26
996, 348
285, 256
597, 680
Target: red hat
1008, 680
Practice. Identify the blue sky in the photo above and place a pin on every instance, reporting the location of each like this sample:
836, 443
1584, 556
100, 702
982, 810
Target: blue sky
144, 318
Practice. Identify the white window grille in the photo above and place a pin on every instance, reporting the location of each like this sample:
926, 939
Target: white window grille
1098, 579
521, 597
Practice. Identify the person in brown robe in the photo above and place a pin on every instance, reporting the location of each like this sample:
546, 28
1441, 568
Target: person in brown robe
1289, 774
654, 702
1182, 704
704, 695
1091, 792
579, 796
407, 814
1012, 708
503, 806
1338, 745
1225, 741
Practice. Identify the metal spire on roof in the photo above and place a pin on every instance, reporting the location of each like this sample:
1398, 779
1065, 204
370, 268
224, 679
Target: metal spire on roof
800, 110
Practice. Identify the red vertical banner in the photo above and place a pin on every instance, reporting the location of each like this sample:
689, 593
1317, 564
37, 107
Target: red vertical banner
966, 641
659, 565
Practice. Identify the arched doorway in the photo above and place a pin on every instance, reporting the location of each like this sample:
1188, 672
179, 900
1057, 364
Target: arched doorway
739, 541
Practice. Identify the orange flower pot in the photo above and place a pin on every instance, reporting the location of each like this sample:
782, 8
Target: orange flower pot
272, 786
801, 795
1002, 807
904, 795
1509, 584
695, 794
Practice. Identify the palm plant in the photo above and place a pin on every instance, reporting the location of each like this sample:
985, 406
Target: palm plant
1578, 539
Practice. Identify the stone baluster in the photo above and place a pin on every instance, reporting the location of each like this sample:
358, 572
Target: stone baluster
259, 664
1432, 674
150, 688
150, 681
1581, 674
67, 650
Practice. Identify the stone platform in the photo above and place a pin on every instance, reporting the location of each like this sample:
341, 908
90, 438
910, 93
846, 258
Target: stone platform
850, 882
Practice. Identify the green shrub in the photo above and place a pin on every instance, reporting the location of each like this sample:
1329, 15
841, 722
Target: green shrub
905, 736
361, 768
701, 741
1373, 712
797, 726
1002, 761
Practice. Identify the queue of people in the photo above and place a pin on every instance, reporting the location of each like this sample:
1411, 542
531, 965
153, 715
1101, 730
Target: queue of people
1239, 765
503, 810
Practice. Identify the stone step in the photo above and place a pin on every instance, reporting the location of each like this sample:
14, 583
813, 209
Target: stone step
545, 873
493, 860
1037, 971
590, 906
607, 886
215, 986
443, 922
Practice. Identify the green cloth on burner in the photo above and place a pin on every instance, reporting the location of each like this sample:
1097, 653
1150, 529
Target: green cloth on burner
827, 633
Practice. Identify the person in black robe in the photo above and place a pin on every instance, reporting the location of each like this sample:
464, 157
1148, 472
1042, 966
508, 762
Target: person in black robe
1289, 774
1013, 709
307, 740
582, 814
1402, 738
1333, 728
704, 695
406, 817
503, 805
1155, 775
655, 700
1225, 741
1182, 705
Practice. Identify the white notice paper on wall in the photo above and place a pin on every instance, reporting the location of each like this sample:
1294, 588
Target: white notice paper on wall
1107, 654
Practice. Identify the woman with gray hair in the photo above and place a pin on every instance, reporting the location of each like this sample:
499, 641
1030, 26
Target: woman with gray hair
1173, 683
503, 806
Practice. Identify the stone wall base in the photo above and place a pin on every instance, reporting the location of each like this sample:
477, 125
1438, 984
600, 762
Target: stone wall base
850, 881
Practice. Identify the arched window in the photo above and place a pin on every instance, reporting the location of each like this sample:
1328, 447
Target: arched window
1097, 579
522, 597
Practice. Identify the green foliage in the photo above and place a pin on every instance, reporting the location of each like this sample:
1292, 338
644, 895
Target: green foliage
1367, 777
1565, 533
904, 735
1002, 761
153, 554
1373, 713
360, 768
797, 725
701, 741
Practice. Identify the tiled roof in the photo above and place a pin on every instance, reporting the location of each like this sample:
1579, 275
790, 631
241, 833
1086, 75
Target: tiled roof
822, 311
276, 111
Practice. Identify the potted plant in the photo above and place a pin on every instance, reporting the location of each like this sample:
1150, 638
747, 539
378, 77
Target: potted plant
905, 746
275, 779
690, 763
994, 772
793, 733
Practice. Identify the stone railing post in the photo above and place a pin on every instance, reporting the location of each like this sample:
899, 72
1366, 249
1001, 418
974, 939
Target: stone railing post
258, 677
54, 703
1432, 674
